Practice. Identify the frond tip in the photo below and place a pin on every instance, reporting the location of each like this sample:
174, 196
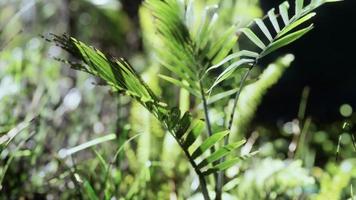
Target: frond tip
115, 72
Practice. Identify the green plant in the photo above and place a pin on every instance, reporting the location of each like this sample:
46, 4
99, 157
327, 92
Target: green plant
192, 48
335, 179
274, 179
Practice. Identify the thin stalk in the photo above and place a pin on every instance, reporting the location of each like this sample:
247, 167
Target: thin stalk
207, 122
220, 178
206, 111
242, 82
203, 185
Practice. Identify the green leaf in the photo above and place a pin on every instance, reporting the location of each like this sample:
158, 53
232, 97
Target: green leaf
233, 56
283, 10
220, 153
178, 72
102, 161
264, 29
222, 166
195, 130
6, 139
295, 24
183, 125
208, 20
180, 84
89, 191
220, 42
175, 46
67, 152
298, 7
222, 95
98, 64
229, 70
209, 142
115, 72
253, 37
273, 18
225, 49
286, 40
228, 163
174, 117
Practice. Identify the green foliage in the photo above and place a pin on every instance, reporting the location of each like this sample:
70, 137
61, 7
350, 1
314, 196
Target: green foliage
189, 49
184, 129
281, 36
93, 144
274, 179
335, 180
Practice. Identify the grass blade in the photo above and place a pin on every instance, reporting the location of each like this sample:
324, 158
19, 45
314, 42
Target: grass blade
67, 152
6, 139
89, 191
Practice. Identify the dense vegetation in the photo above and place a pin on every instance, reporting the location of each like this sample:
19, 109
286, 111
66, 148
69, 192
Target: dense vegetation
159, 104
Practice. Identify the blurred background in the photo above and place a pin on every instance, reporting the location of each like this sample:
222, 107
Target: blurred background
315, 97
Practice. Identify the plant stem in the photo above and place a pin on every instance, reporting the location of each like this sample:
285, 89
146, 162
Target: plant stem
207, 122
206, 111
203, 185
220, 178
242, 82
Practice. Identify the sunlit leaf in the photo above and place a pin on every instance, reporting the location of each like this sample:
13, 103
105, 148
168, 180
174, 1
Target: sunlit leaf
253, 37
286, 40
223, 151
273, 18
197, 128
212, 140
283, 10
264, 29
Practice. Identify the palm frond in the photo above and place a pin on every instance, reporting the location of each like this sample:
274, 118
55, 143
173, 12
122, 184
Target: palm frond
115, 72
280, 35
122, 77
188, 47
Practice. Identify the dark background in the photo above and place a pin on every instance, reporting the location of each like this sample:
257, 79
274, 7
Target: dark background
324, 62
